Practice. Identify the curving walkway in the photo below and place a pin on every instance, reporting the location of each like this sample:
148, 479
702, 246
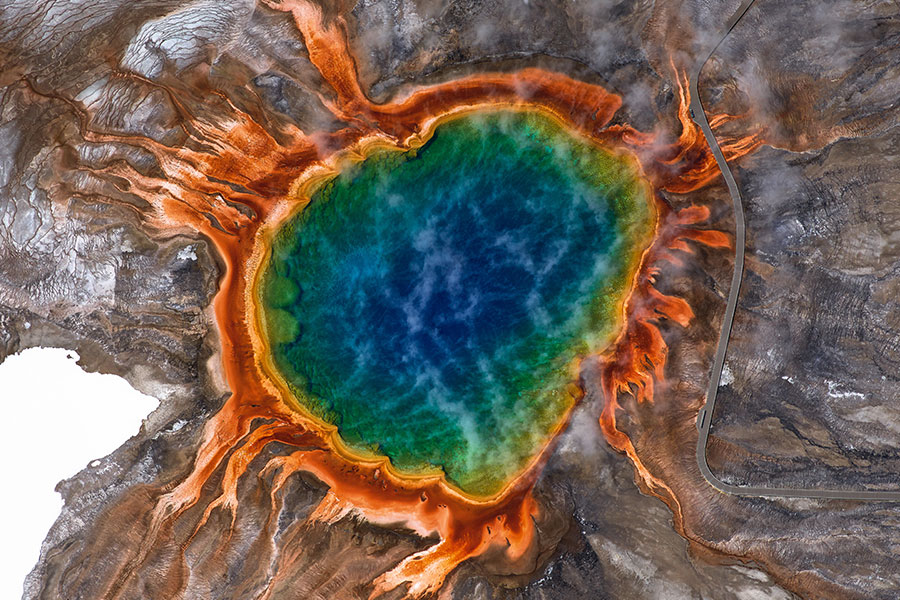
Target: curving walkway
704, 418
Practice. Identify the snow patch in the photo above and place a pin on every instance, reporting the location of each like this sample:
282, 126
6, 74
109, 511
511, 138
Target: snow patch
835, 392
727, 377
187, 253
63, 417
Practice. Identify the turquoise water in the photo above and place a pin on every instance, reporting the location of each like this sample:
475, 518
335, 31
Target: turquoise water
432, 303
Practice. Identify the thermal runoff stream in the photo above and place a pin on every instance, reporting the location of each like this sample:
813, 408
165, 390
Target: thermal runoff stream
433, 303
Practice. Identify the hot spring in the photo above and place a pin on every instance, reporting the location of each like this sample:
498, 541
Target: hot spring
434, 304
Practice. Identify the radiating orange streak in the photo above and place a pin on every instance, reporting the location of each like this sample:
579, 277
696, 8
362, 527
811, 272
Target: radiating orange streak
262, 172
465, 529
685, 164
692, 142
186, 197
587, 107
637, 359
638, 356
